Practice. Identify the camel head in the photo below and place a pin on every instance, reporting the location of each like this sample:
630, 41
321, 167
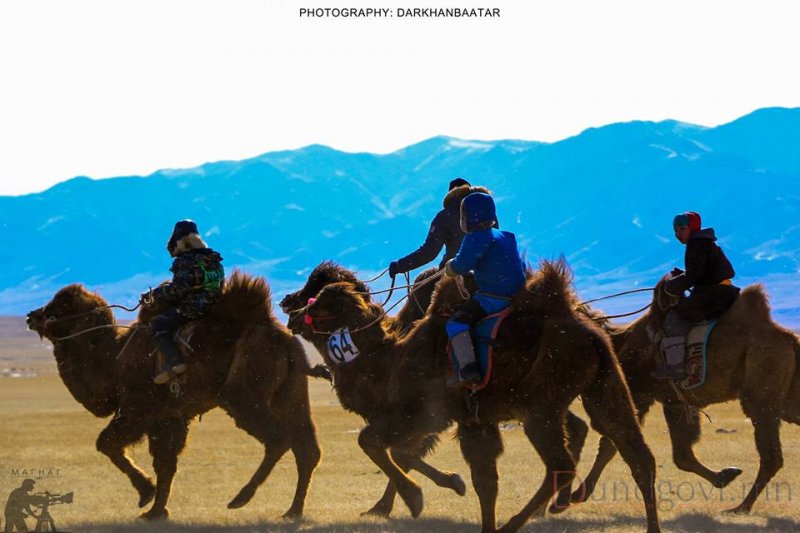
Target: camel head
447, 297
338, 305
324, 274
72, 309
662, 302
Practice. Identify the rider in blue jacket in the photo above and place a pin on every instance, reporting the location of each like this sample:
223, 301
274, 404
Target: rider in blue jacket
493, 257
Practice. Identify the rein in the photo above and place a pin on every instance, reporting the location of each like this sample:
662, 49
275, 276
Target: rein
606, 317
97, 310
380, 317
379, 276
104, 326
615, 295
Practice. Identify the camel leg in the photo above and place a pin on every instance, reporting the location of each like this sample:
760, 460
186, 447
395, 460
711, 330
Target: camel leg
120, 433
407, 461
545, 429
576, 435
167, 439
684, 432
481, 445
768, 444
606, 450
383, 507
442, 478
307, 455
621, 427
275, 446
390, 431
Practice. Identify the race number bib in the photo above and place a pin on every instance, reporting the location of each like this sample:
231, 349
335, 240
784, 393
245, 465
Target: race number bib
341, 348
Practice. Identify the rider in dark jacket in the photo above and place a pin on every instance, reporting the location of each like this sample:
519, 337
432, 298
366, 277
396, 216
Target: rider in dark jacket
493, 257
445, 231
197, 280
708, 276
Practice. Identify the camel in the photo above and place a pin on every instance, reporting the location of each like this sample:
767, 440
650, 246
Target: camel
546, 355
364, 405
419, 299
329, 272
749, 357
243, 360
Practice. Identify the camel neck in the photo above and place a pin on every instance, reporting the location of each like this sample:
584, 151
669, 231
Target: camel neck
87, 366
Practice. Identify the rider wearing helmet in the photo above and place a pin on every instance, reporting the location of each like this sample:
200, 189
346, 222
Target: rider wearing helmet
493, 257
708, 276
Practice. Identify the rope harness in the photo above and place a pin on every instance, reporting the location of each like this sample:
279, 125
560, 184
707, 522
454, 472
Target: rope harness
309, 319
607, 317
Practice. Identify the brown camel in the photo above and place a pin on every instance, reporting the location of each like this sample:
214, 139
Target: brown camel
749, 357
414, 308
243, 360
364, 405
329, 272
546, 355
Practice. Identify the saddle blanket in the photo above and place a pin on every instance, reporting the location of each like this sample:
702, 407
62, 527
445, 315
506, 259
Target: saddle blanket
696, 349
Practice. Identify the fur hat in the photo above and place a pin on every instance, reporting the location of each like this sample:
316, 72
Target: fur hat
184, 237
458, 182
689, 218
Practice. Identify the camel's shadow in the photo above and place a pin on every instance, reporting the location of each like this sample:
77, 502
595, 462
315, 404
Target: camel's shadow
688, 522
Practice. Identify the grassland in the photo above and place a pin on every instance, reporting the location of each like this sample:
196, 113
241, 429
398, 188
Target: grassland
45, 434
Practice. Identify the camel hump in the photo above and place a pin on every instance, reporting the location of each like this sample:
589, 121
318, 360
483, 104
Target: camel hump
756, 301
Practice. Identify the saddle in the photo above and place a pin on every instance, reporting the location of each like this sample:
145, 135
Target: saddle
182, 339
695, 360
483, 340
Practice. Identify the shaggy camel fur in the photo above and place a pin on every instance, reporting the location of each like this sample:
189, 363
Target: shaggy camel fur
419, 299
546, 355
750, 357
243, 360
294, 304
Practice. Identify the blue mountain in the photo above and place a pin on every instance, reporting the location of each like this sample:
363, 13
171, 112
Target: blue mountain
604, 199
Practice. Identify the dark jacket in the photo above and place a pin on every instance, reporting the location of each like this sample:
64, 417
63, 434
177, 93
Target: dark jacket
494, 258
706, 267
197, 279
445, 231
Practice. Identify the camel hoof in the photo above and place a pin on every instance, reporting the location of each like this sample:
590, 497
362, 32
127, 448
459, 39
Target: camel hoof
155, 514
292, 515
241, 499
726, 475
146, 495
580, 495
458, 485
740, 510
379, 511
562, 501
412, 495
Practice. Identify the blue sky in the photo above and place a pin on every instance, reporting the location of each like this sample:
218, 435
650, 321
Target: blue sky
102, 88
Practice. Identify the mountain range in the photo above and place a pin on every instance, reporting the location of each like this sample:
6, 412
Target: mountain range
604, 199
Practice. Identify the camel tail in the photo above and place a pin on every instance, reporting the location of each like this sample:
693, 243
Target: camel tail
756, 301
298, 356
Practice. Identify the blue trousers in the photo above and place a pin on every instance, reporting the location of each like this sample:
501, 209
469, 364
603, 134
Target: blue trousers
472, 312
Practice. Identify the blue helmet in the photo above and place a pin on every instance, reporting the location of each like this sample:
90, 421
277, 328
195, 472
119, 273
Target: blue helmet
182, 229
477, 209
